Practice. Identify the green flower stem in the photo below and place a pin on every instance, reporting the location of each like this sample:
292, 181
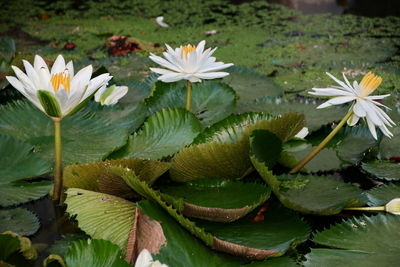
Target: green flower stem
188, 95
58, 173
316, 150
382, 208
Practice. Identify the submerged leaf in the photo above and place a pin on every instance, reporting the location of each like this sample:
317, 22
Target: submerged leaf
19, 220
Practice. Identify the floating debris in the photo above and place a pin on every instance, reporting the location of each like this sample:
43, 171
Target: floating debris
160, 21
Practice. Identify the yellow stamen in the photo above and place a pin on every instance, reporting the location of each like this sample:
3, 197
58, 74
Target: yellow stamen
61, 78
185, 50
369, 83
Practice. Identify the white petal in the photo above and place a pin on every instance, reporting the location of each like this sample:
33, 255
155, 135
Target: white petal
302, 133
99, 92
32, 74
96, 83
160, 21
28, 85
70, 68
347, 88
144, 259
376, 97
116, 95
193, 79
161, 71
58, 66
81, 79
359, 110
175, 60
329, 92
164, 63
337, 101
372, 129
62, 97
211, 75
353, 120
192, 65
31, 96
371, 114
39, 64
217, 67
385, 131
172, 77
200, 46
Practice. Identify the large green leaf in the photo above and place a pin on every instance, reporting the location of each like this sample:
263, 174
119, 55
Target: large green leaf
381, 195
162, 135
385, 170
13, 189
251, 85
210, 101
232, 128
325, 160
61, 246
102, 216
389, 147
127, 116
364, 241
280, 230
85, 138
236, 247
229, 159
14, 153
276, 106
181, 248
95, 253
97, 176
19, 220
218, 199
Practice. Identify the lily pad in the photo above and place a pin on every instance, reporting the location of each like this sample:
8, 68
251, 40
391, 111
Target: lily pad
94, 138
20, 221
97, 176
280, 230
236, 247
162, 135
305, 193
364, 241
217, 199
61, 246
381, 195
210, 101
251, 85
230, 159
126, 116
96, 253
180, 247
101, 216
389, 147
385, 170
14, 189
326, 160
277, 106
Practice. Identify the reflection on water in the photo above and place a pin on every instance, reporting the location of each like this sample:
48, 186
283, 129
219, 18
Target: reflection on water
371, 8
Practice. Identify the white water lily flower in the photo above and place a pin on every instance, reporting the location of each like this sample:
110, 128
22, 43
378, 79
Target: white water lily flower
160, 21
188, 62
110, 95
302, 133
58, 92
145, 260
365, 105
